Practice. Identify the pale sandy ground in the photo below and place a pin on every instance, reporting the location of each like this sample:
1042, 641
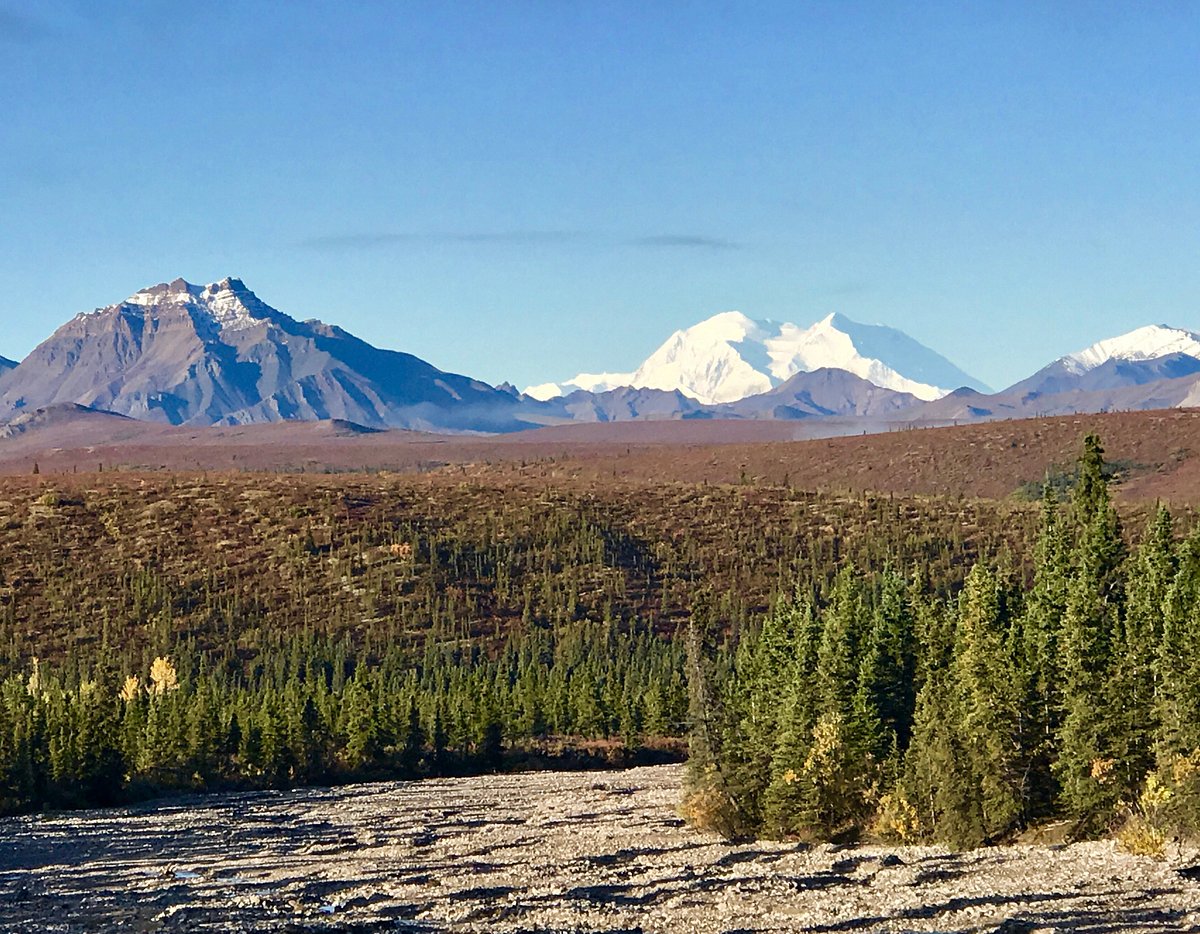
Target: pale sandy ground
598, 852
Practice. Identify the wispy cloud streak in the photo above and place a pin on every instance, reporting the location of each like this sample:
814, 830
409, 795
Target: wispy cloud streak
685, 241
376, 240
364, 241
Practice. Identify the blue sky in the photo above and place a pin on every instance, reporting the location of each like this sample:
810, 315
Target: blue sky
521, 190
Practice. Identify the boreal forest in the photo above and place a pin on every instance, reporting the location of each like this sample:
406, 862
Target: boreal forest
839, 666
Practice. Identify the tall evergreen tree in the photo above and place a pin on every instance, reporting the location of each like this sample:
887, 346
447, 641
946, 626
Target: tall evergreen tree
988, 706
1040, 661
1087, 764
1135, 682
1178, 702
886, 696
766, 670
937, 779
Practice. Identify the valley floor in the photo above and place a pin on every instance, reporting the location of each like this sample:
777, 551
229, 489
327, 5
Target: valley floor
595, 852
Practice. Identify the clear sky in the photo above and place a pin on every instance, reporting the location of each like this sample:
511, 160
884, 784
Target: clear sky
522, 190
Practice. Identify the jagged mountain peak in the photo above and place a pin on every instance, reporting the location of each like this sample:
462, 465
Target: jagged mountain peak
217, 354
226, 304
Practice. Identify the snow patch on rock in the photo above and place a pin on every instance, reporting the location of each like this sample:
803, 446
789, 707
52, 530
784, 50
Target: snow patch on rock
221, 304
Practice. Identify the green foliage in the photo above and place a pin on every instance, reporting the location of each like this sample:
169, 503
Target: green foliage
311, 710
965, 714
223, 634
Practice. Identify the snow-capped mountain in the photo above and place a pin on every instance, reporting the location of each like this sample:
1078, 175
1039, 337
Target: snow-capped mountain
1148, 343
217, 354
1144, 355
731, 356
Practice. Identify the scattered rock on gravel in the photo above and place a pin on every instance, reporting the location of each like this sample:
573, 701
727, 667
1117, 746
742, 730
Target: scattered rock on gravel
552, 852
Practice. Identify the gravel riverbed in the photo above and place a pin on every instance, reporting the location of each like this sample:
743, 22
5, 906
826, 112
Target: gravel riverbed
549, 851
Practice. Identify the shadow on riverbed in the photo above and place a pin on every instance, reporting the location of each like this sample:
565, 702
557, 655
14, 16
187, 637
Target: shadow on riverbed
566, 852
1107, 921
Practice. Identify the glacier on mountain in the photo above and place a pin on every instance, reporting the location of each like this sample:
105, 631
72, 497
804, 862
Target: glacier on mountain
731, 356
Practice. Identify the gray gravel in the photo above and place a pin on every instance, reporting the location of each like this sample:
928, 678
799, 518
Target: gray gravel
602, 852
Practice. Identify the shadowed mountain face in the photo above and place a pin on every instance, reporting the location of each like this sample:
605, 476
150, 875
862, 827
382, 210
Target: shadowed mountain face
216, 354
626, 404
1114, 373
822, 392
1066, 398
6, 364
66, 415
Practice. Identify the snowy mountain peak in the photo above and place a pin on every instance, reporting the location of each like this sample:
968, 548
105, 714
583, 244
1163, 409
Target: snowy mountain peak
730, 356
726, 325
225, 305
1145, 343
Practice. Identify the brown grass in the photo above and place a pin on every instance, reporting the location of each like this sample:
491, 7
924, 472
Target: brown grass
1159, 451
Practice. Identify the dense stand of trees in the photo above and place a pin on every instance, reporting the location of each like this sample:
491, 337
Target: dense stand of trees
305, 618
936, 669
308, 710
881, 704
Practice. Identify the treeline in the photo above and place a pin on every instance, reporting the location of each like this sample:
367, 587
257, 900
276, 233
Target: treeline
311, 710
881, 705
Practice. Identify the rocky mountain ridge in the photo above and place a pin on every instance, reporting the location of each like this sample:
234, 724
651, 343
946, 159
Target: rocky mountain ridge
217, 354
209, 355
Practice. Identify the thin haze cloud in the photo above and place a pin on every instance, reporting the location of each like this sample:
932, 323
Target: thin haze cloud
362, 241
685, 240
366, 241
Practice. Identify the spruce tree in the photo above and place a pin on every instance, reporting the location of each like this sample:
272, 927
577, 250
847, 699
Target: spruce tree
783, 799
886, 697
1039, 630
937, 780
708, 798
1178, 703
988, 706
1087, 767
759, 694
1135, 681
823, 782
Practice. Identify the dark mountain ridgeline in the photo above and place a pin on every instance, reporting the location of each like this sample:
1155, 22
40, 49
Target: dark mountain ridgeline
819, 393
